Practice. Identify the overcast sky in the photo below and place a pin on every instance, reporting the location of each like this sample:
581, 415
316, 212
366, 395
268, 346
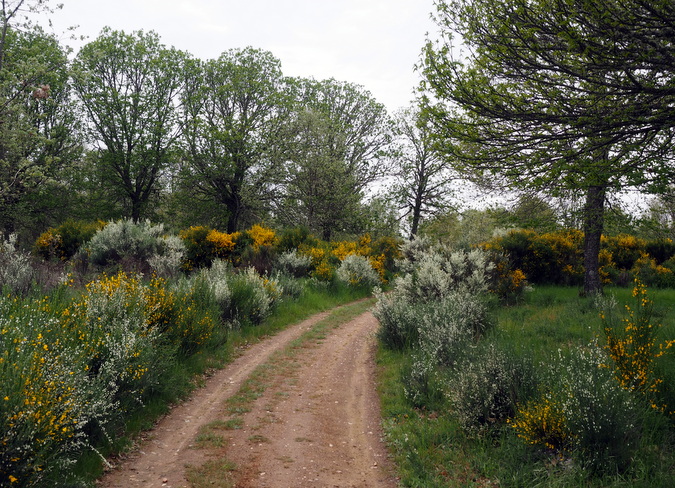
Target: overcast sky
374, 43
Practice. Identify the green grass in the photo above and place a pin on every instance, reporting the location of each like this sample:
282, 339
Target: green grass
431, 450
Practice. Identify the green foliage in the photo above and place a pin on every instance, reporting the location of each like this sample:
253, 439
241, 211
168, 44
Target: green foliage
252, 297
294, 264
63, 241
129, 90
291, 238
486, 387
587, 430
585, 413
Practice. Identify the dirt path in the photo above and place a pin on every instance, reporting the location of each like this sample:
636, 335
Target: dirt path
299, 409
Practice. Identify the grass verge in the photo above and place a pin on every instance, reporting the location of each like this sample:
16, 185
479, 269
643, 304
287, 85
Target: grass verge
431, 449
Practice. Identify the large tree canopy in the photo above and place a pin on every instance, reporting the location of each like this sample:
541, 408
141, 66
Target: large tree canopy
234, 112
129, 86
557, 95
335, 143
37, 135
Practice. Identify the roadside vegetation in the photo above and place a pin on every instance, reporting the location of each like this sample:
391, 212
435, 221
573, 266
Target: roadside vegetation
549, 389
97, 345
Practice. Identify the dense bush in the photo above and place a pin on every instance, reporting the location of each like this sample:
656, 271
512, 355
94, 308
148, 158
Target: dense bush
357, 271
294, 264
557, 257
252, 297
64, 241
584, 412
203, 245
16, 269
486, 387
131, 244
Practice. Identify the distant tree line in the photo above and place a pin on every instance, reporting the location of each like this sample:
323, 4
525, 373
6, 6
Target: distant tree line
130, 128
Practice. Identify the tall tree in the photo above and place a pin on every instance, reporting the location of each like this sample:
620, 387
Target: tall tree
234, 112
37, 135
557, 95
320, 191
360, 125
129, 87
335, 147
421, 176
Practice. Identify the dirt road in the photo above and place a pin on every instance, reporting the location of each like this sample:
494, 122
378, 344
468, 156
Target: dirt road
299, 409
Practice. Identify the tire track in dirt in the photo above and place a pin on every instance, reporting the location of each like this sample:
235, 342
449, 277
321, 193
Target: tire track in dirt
316, 424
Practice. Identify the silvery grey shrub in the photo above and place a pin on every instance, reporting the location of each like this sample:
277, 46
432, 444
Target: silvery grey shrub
486, 386
356, 270
454, 285
252, 296
125, 239
16, 269
437, 272
169, 257
216, 277
604, 418
294, 263
450, 326
398, 321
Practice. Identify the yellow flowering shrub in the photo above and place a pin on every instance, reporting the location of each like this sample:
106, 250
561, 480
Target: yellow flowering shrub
542, 422
631, 343
261, 236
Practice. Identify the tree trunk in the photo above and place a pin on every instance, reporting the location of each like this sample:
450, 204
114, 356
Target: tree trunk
593, 224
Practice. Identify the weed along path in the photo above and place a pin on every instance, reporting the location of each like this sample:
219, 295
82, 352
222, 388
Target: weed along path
299, 409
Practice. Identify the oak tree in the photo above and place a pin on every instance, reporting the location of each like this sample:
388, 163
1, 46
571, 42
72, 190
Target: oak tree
557, 95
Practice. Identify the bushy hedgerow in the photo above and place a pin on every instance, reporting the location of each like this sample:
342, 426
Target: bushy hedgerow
557, 257
64, 241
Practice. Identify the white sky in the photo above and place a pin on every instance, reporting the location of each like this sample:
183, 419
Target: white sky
374, 43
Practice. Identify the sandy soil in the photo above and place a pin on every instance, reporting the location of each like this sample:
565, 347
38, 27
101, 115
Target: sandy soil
316, 424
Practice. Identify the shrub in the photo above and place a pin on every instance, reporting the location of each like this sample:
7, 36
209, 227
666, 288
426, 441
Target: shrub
203, 245
632, 344
661, 250
64, 241
650, 273
195, 323
420, 381
16, 269
357, 271
398, 321
253, 296
169, 259
584, 412
126, 242
261, 236
294, 238
294, 263
48, 400
388, 251
435, 274
486, 387
625, 249
448, 327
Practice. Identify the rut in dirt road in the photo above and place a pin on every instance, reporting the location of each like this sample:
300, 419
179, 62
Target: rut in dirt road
315, 423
